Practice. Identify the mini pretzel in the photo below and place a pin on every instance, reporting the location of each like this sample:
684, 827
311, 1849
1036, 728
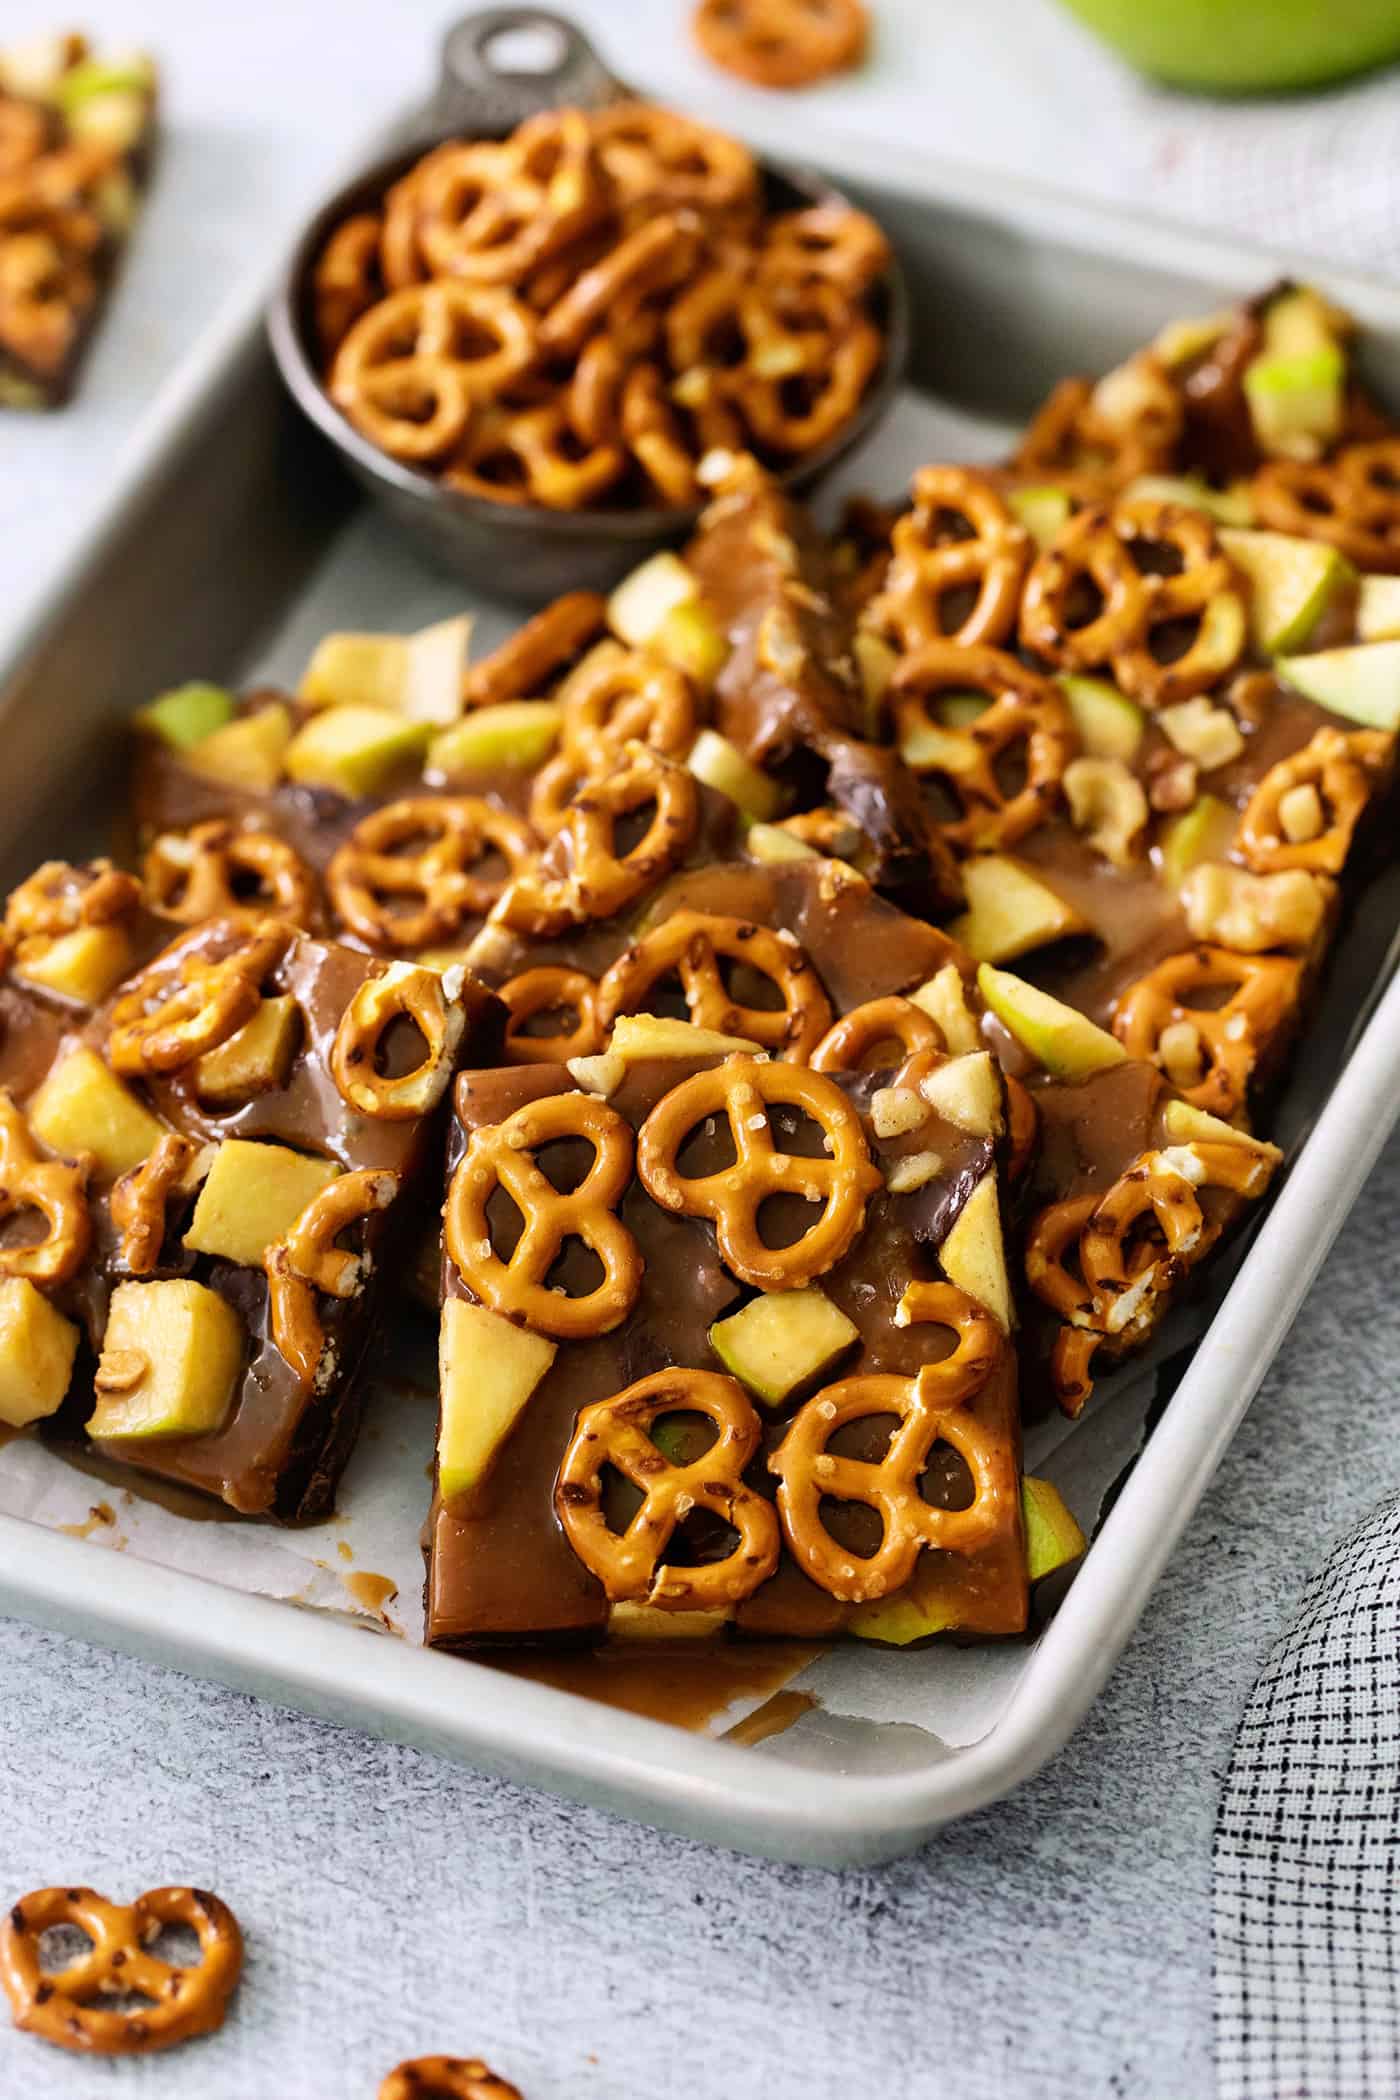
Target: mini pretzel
63, 2007
1263, 992
1089, 453
53, 1188
659, 251
1341, 768
692, 945
599, 880
503, 1156
523, 666
781, 43
139, 1199
624, 695
1352, 501
410, 370
802, 410
1027, 713
446, 2078
398, 899
488, 214
929, 1408
551, 988
741, 1090
310, 1259
58, 898
345, 281
616, 1433
531, 455
405, 992
196, 994
216, 870
960, 537
1095, 546
654, 156
876, 1025
828, 241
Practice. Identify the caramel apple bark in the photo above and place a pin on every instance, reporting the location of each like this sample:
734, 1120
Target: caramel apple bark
217, 1128
75, 135
651, 1407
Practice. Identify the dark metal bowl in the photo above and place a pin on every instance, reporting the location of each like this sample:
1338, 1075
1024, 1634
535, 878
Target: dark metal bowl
525, 552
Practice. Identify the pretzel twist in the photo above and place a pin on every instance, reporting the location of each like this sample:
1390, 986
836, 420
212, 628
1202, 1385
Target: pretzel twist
781, 43
828, 241
413, 368
929, 1408
1091, 450
531, 455
64, 2007
1342, 768
345, 281
838, 352
217, 870
54, 1188
960, 537
446, 2078
551, 988
654, 156
878, 1025
405, 992
694, 946
1096, 547
1352, 501
59, 898
196, 994
741, 1090
139, 1199
1263, 992
614, 698
311, 1260
616, 1433
402, 899
503, 1156
597, 880
488, 214
1026, 715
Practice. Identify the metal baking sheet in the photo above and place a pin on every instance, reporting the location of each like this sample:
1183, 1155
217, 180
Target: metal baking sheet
230, 544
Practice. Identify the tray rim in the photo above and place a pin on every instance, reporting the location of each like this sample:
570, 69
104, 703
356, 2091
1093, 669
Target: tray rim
647, 1769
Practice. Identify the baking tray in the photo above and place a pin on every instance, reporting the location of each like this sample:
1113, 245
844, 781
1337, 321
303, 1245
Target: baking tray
229, 543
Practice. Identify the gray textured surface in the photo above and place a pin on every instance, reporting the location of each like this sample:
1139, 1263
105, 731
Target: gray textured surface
1055, 1945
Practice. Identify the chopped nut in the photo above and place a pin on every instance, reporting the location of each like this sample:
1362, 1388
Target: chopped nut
1106, 803
119, 1370
1171, 782
895, 1110
912, 1172
1182, 1054
1129, 1304
1201, 731
598, 1075
1301, 815
1252, 913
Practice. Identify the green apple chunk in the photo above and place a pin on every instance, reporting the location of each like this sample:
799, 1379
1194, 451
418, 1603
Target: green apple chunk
967, 1092
1185, 1124
37, 1347
82, 965
186, 713
248, 752
722, 765
487, 1370
636, 1037
512, 735
1229, 506
1296, 402
1292, 581
782, 1340
1110, 725
93, 77
944, 999
645, 599
973, 1255
1378, 609
769, 842
1202, 832
1053, 1537
1041, 510
689, 637
1064, 1042
171, 1356
252, 1196
82, 1107
354, 750
1010, 911
417, 675
1361, 682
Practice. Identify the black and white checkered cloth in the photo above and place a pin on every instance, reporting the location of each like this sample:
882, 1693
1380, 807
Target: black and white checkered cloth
1307, 1847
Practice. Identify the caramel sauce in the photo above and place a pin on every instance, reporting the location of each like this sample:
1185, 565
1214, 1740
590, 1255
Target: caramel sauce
98, 1518
774, 1717
689, 1688
372, 1592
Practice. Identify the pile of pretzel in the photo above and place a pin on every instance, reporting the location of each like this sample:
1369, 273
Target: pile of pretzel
578, 314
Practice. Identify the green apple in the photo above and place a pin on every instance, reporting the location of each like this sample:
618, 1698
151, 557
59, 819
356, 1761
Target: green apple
1231, 506
973, 1255
1041, 510
722, 765
1053, 1538
1244, 46
1010, 910
355, 750
252, 1196
1185, 1124
769, 842
967, 1092
689, 637
1378, 609
1202, 832
248, 752
960, 710
1110, 725
91, 77
37, 1348
636, 1037
513, 735
643, 601
487, 1370
418, 675
1065, 1042
944, 999
1296, 404
782, 1340
82, 1106
1292, 581
187, 713
171, 1356
1361, 682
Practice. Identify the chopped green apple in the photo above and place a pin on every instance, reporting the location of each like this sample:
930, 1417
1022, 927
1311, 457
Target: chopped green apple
255, 1059
37, 1347
630, 1621
487, 1370
722, 765
769, 842
636, 1037
93, 77
416, 675
875, 667
944, 1000
1378, 609
783, 1340
1182, 342
1110, 725
967, 1092
1292, 581
171, 1356
927, 1605
1297, 402
689, 637
1185, 1124
1042, 510
248, 752
1228, 506
1010, 910
644, 600
510, 735
1064, 1042
82, 965
1202, 832
1053, 1537
973, 1255
83, 1107
1361, 682
252, 1196
354, 750
187, 713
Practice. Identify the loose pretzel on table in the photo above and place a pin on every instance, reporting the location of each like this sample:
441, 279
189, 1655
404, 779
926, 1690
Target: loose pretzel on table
694, 946
56, 1189
404, 992
195, 994
411, 371
206, 873
63, 2006
550, 988
617, 1434
961, 536
397, 899
310, 1260
446, 2078
1342, 769
929, 1408
1026, 713
1352, 501
781, 43
503, 1156
840, 1180
1263, 991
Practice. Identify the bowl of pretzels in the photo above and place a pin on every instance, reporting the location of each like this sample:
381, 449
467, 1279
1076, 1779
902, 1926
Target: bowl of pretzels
538, 339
